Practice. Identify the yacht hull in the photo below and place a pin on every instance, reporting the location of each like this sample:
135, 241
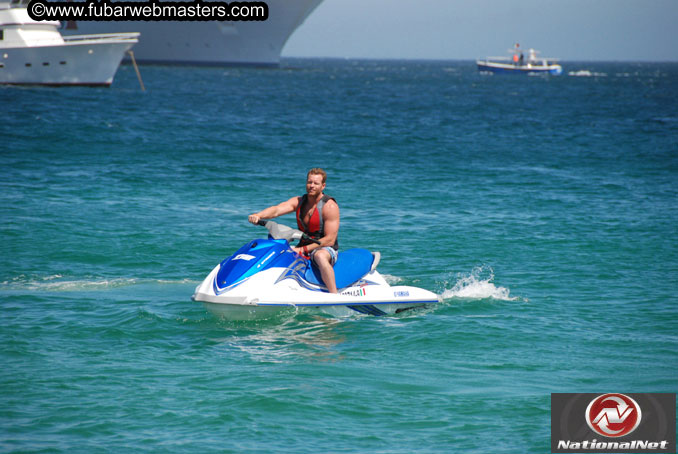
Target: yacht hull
213, 43
85, 63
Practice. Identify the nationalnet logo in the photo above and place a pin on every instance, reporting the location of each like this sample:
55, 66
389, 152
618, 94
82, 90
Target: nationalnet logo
613, 415
613, 423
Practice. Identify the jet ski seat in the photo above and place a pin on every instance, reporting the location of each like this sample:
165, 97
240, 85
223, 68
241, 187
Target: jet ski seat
351, 265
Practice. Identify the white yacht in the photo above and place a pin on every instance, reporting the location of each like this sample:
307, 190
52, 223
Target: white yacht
216, 43
35, 52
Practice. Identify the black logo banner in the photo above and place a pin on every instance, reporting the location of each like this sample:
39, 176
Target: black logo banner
613, 423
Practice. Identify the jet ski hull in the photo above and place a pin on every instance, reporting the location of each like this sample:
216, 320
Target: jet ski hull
251, 300
241, 312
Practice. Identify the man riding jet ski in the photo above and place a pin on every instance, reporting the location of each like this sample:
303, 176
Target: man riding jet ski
266, 276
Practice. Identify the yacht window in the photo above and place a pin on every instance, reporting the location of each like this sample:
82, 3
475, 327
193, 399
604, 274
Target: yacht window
62, 62
28, 65
45, 63
2, 35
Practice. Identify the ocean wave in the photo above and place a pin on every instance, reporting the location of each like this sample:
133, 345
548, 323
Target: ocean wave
391, 280
586, 73
478, 285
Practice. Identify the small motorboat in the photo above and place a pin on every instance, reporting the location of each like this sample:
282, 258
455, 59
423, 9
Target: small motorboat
517, 64
35, 53
265, 277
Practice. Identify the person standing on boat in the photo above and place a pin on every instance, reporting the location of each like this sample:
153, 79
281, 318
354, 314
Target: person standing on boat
318, 217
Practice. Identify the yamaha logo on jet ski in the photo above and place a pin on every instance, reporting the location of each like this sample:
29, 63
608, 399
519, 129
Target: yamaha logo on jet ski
265, 276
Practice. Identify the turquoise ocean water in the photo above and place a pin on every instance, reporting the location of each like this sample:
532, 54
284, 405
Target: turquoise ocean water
543, 210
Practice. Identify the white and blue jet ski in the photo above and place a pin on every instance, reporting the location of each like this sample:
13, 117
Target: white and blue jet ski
265, 276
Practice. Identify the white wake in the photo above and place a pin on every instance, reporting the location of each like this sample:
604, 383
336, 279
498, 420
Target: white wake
478, 284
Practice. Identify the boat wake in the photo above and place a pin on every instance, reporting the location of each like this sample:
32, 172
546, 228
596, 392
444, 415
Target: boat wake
57, 283
477, 285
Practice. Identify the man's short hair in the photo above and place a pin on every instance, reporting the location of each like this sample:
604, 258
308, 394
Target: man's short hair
317, 171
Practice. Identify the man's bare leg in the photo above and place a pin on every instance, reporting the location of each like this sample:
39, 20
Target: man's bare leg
323, 259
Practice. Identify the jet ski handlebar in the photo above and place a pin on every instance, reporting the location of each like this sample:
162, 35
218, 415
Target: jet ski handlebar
279, 231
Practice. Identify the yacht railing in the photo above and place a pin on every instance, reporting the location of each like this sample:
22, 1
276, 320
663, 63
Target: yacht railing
130, 36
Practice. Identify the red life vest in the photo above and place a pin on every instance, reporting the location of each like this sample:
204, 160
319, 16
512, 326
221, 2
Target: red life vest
316, 225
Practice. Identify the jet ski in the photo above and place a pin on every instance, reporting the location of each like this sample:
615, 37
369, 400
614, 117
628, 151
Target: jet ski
265, 276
